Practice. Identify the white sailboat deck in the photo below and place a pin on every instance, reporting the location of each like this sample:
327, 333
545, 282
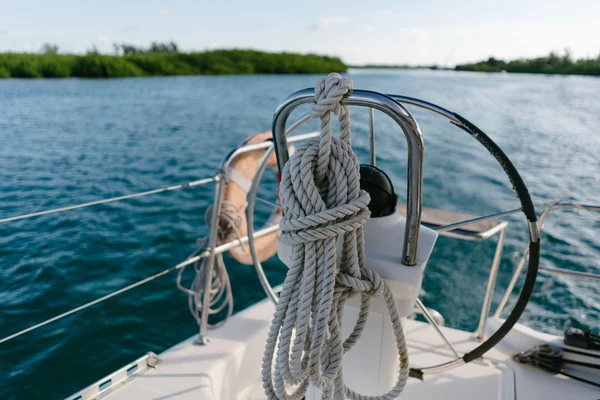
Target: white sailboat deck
229, 367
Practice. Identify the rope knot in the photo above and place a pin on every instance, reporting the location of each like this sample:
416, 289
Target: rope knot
329, 223
329, 93
369, 282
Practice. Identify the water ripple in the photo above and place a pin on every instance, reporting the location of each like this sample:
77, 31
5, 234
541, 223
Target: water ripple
69, 141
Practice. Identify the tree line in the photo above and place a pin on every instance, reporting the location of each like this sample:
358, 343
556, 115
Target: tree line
160, 59
551, 64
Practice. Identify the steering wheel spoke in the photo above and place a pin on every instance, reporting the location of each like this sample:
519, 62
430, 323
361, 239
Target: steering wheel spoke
433, 322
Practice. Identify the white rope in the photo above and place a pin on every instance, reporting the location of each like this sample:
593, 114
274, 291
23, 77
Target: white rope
229, 221
322, 200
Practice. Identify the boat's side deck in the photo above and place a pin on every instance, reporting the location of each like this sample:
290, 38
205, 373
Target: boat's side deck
229, 367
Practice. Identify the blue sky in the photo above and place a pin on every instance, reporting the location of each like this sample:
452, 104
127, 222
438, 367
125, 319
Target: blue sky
390, 32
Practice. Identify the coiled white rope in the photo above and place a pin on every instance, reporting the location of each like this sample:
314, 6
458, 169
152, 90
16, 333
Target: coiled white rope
220, 293
322, 200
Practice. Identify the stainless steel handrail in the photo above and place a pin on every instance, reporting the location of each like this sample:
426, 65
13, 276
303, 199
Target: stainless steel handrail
487, 301
426, 106
248, 148
569, 272
252, 197
220, 182
459, 224
553, 271
414, 141
372, 153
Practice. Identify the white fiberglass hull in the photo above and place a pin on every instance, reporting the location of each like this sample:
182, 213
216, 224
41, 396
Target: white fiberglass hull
229, 367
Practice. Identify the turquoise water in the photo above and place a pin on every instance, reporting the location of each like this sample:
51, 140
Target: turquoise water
69, 141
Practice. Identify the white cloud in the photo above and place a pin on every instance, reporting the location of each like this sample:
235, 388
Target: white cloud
164, 12
381, 13
510, 41
102, 38
326, 23
414, 35
129, 28
451, 45
368, 28
386, 12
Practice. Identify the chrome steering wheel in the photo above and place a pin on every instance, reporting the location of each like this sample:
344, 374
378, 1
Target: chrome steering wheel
393, 105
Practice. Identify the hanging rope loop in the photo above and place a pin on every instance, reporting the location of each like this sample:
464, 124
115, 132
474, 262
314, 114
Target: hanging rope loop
221, 297
323, 204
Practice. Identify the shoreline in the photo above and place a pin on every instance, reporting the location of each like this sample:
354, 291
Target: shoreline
216, 62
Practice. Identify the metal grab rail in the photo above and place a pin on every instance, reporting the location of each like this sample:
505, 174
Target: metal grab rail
568, 272
550, 271
252, 198
487, 301
220, 181
412, 133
